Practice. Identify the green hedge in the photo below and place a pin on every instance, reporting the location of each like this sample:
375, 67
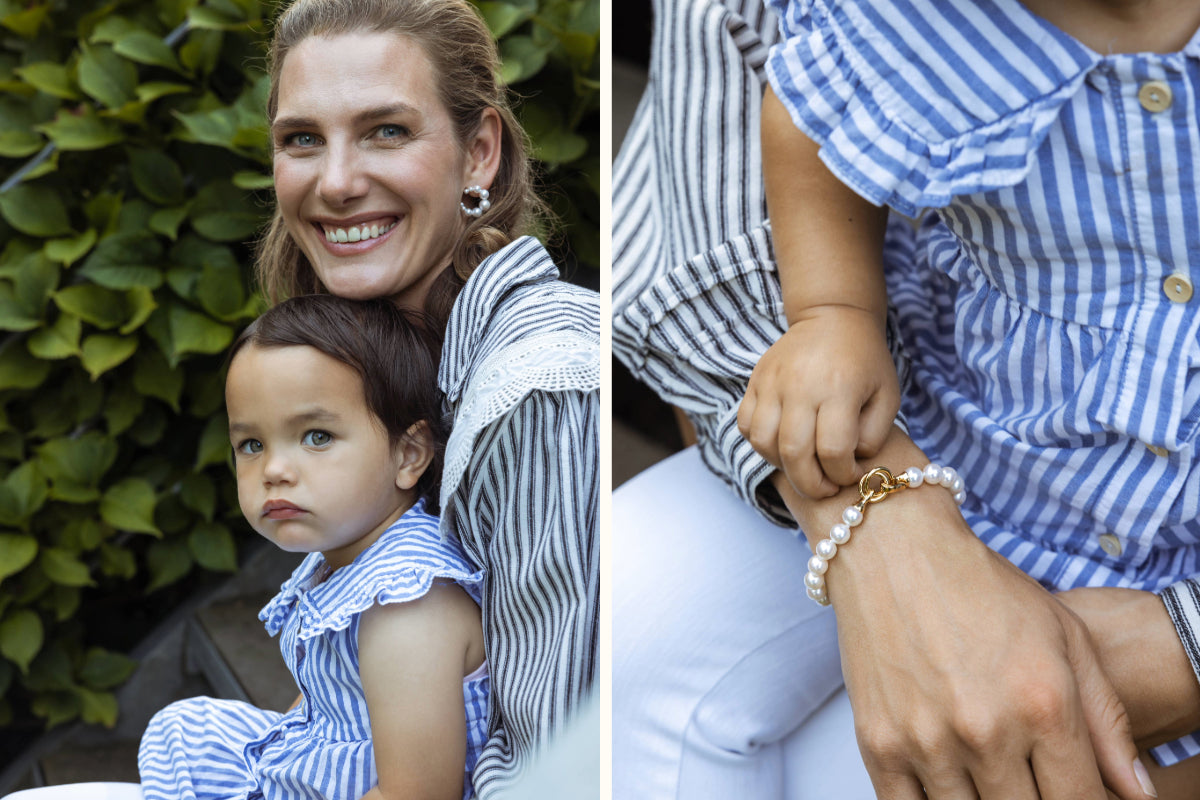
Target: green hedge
124, 274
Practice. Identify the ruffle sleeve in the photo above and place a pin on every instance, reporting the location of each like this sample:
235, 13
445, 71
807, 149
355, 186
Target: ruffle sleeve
399, 567
914, 101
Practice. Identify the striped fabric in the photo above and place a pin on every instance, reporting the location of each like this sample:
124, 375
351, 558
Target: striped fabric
1047, 356
521, 373
206, 748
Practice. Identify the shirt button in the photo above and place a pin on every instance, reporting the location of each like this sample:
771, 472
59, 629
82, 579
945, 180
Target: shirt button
1155, 96
1110, 544
1177, 288
1158, 451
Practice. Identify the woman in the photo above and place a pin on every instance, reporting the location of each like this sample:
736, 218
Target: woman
967, 678
401, 172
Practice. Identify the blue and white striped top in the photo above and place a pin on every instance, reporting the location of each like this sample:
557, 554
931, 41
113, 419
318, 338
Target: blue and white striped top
1059, 370
205, 748
1045, 309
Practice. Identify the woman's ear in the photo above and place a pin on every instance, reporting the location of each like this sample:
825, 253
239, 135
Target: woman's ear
414, 453
483, 150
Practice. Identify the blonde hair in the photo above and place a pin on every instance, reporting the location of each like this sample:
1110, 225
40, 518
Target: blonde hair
465, 61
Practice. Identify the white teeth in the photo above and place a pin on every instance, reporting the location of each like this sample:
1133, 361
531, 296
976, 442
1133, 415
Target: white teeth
356, 233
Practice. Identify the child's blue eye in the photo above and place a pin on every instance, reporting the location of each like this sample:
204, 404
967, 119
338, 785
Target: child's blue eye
249, 446
317, 438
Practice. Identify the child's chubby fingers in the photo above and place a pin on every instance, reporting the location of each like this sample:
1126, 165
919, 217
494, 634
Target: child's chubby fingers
798, 452
875, 423
758, 421
837, 433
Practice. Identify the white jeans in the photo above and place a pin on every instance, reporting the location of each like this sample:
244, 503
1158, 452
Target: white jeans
726, 678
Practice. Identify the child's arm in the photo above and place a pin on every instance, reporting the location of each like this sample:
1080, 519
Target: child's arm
827, 390
412, 659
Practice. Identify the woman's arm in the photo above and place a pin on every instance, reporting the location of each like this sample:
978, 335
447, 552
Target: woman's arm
412, 659
965, 675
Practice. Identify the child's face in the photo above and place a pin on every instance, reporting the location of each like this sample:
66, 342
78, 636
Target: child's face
315, 470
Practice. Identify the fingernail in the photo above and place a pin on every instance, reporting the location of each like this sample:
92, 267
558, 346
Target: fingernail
1143, 777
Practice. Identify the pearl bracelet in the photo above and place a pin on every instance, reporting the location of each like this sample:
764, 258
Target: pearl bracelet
839, 534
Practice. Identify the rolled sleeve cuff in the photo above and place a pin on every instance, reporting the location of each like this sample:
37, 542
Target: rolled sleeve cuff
1182, 600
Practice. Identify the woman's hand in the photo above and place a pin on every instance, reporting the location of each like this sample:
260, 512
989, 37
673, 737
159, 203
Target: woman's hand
1140, 651
824, 393
966, 677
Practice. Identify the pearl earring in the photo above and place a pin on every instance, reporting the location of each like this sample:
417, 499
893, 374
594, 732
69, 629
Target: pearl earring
483, 205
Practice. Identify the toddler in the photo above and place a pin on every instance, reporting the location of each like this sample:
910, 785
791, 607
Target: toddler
334, 418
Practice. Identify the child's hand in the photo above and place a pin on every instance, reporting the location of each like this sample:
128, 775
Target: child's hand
824, 393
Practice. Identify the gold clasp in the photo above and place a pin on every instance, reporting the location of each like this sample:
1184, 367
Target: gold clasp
887, 484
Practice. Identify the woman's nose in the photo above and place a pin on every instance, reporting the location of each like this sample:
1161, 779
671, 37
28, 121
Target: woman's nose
342, 178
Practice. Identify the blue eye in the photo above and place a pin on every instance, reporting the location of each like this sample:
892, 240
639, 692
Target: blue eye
301, 140
249, 446
317, 438
392, 131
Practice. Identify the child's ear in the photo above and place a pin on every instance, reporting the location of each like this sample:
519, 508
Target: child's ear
415, 452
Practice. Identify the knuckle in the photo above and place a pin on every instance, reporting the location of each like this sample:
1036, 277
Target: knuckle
1045, 705
792, 452
980, 731
882, 746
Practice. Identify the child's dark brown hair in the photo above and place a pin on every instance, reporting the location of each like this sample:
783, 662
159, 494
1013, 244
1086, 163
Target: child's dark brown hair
393, 351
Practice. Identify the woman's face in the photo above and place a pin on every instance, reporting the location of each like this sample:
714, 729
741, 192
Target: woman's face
368, 171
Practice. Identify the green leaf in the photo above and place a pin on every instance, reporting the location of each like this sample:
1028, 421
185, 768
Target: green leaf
16, 553
101, 307
168, 561
146, 48
51, 670
35, 210
250, 180
63, 601
125, 261
90, 533
220, 292
521, 58
197, 333
149, 92
129, 506
97, 708
156, 176
123, 406
51, 78
117, 563
26, 23
154, 377
82, 460
21, 637
223, 213
106, 76
81, 130
61, 340
26, 492
63, 567
55, 707
213, 447
103, 669
19, 144
12, 446
167, 220
212, 546
111, 28
38, 277
101, 352
202, 50
200, 495
69, 250
204, 18
553, 143
14, 316
20, 370
216, 127
503, 17
141, 301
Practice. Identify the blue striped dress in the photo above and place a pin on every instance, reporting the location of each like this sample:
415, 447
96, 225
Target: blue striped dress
208, 748
1048, 313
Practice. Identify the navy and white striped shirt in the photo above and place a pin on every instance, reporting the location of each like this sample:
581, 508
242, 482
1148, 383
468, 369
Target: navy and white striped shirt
203, 748
1046, 306
520, 491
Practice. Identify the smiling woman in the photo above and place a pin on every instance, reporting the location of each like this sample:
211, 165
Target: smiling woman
401, 173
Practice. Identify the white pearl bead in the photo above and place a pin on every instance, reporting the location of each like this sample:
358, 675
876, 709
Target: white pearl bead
915, 475
485, 204
840, 533
947, 477
818, 565
957, 485
818, 595
813, 581
960, 497
852, 516
826, 549
933, 473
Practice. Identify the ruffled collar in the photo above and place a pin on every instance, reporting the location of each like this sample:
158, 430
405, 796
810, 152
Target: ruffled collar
401, 565
524, 261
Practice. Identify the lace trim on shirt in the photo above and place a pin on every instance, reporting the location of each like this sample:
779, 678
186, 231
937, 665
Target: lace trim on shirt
561, 361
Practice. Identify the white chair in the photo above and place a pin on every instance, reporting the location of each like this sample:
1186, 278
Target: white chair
80, 791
